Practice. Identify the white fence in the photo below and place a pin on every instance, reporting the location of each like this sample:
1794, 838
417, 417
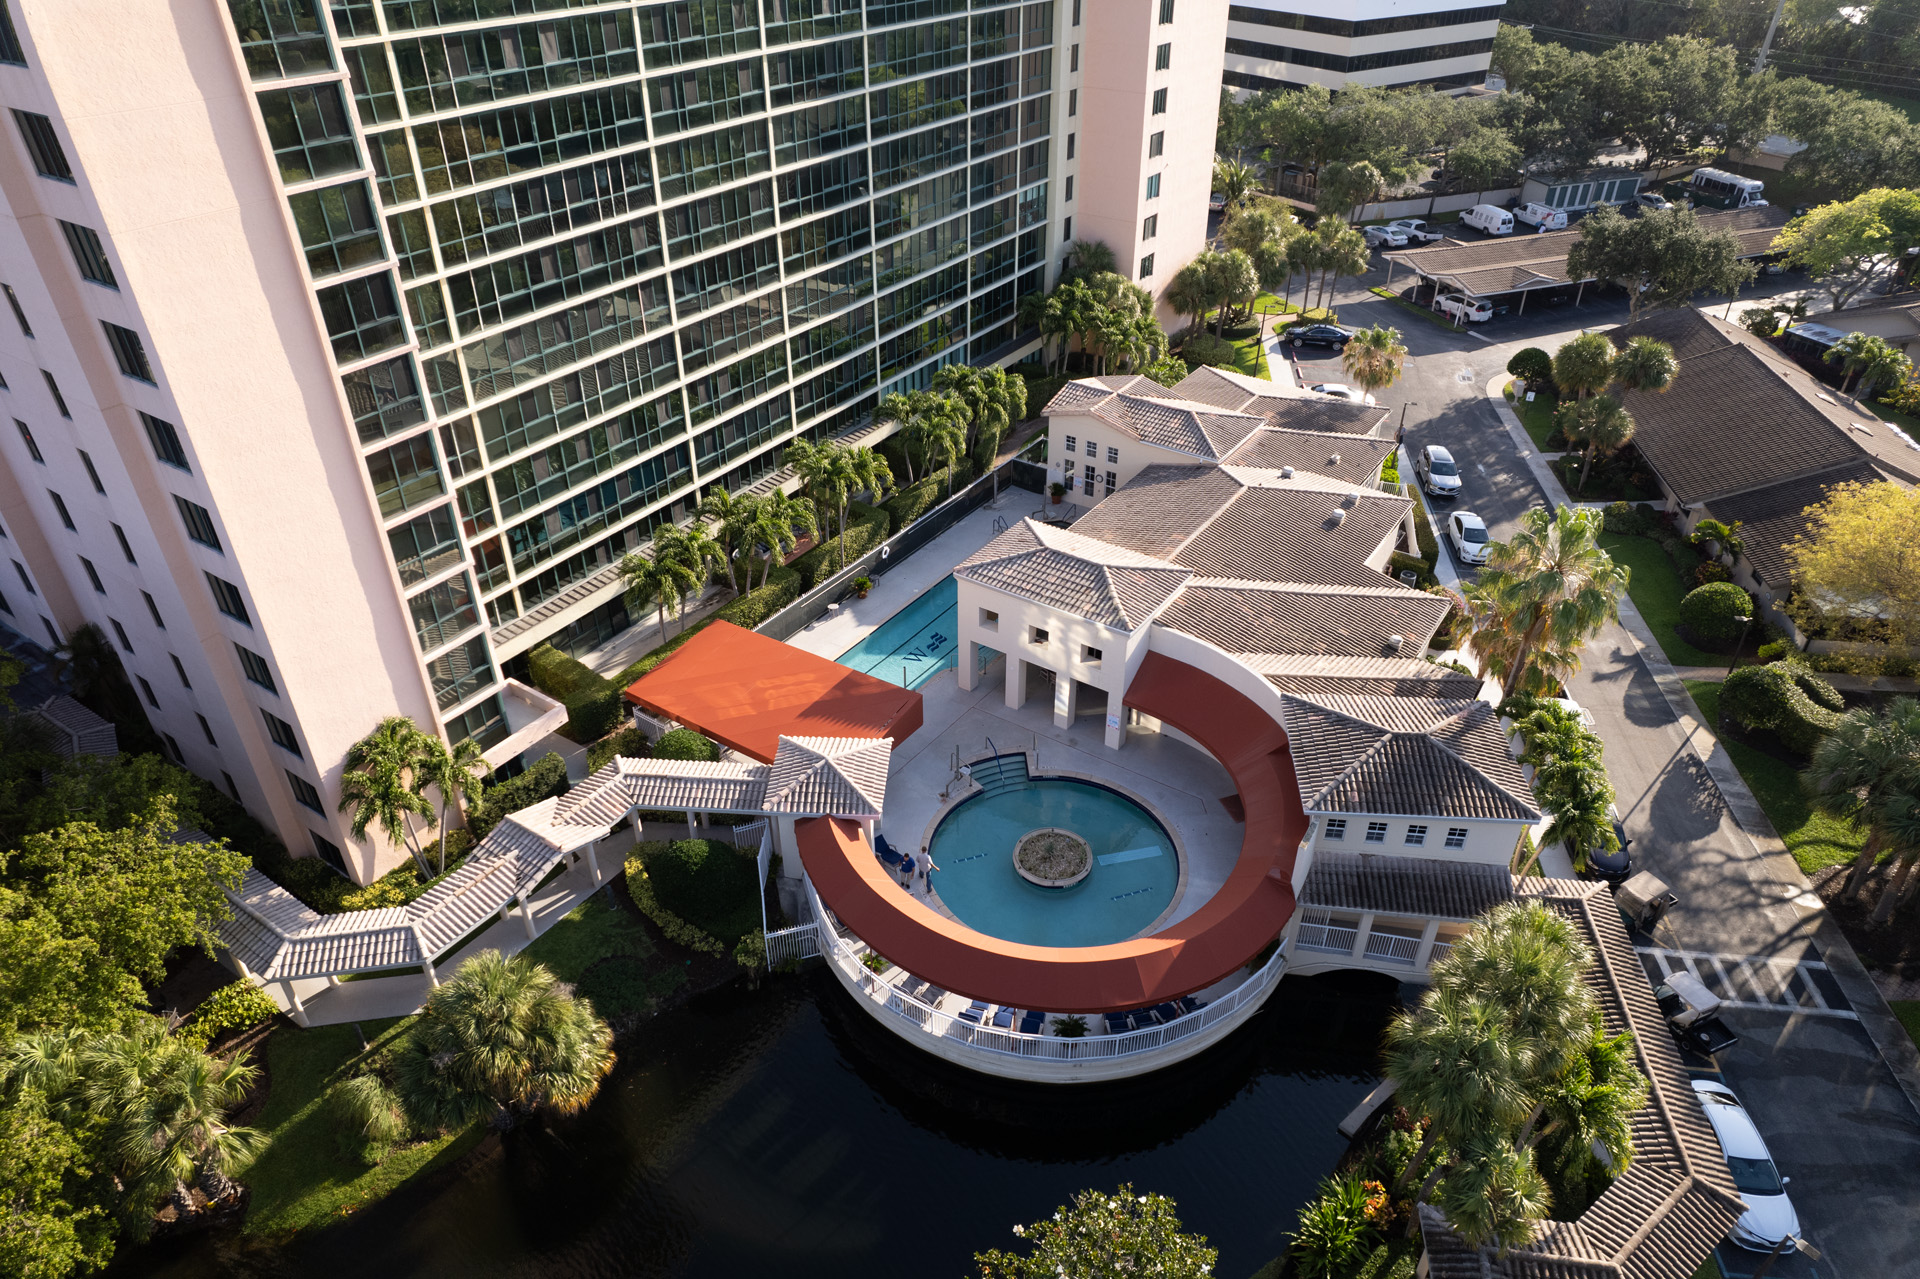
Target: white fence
843, 950
1319, 932
791, 945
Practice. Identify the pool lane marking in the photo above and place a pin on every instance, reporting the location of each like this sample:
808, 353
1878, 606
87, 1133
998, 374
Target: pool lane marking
1130, 855
1135, 893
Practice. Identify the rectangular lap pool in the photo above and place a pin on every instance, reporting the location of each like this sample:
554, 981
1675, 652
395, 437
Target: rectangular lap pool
916, 643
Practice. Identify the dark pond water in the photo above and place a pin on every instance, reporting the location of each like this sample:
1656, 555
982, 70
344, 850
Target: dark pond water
784, 1132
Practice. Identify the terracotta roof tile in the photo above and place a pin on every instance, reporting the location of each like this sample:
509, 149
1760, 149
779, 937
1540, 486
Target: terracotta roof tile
1455, 767
1100, 581
1390, 884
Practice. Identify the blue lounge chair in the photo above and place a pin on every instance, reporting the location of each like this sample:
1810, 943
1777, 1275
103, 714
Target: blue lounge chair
1003, 1019
1032, 1023
1144, 1017
932, 995
1166, 1012
886, 853
974, 1012
1191, 1004
1118, 1023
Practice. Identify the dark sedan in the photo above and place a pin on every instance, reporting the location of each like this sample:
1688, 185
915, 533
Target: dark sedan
1333, 335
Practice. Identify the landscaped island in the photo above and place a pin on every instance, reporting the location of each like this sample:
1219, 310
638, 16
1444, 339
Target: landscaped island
1052, 858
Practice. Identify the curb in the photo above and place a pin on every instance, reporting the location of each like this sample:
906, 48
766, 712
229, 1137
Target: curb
1772, 865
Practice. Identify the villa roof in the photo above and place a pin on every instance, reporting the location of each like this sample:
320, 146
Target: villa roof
1772, 517
1399, 756
746, 690
1389, 884
1185, 426
1355, 459
75, 729
1230, 389
841, 775
1676, 1200
817, 776
1362, 676
1102, 582
1228, 523
1347, 621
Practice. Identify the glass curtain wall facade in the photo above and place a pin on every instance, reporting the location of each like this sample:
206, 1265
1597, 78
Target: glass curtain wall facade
579, 262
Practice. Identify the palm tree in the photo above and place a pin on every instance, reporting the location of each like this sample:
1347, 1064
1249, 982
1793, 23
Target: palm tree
1343, 251
1646, 365
1859, 766
1080, 310
1031, 312
1091, 257
1529, 964
1374, 357
995, 398
1589, 1108
732, 515
1550, 586
1494, 1194
1455, 1063
1187, 292
1869, 357
1601, 424
1725, 536
378, 788
1584, 365
812, 462
963, 383
501, 1037
947, 435
1230, 278
1303, 258
867, 471
1234, 180
1901, 824
909, 411
779, 516
698, 551
658, 578
1114, 333
463, 769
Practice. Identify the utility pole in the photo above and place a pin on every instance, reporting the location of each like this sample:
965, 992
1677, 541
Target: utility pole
1766, 46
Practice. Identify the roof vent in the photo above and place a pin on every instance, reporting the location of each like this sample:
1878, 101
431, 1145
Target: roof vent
1339, 517
1353, 499
1333, 459
1286, 472
1394, 642
1861, 427
1824, 396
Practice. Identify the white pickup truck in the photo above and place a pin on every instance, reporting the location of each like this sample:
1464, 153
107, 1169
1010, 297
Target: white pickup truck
1415, 230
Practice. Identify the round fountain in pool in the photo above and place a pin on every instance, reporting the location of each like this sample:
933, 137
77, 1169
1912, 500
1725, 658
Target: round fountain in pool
1133, 877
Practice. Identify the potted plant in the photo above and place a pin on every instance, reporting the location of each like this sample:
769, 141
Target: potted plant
861, 585
875, 962
1058, 490
1071, 1027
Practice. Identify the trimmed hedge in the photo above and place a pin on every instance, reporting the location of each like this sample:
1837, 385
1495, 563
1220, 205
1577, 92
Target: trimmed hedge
1711, 614
235, 1006
1204, 348
1535, 366
1423, 529
559, 675
913, 501
866, 529
708, 883
629, 741
640, 888
543, 779
684, 743
593, 704
1784, 698
1423, 571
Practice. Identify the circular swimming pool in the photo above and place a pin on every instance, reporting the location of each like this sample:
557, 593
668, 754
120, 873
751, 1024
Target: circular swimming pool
1135, 874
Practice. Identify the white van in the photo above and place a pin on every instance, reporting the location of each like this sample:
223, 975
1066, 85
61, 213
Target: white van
1542, 217
1490, 218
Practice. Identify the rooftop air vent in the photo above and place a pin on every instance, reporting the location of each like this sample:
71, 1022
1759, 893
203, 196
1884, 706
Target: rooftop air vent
1339, 518
1333, 459
1394, 642
1824, 396
1353, 499
1286, 472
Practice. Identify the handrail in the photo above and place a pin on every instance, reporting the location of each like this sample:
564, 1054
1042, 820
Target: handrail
1018, 1044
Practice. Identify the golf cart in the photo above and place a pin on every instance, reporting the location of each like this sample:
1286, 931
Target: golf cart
1693, 1014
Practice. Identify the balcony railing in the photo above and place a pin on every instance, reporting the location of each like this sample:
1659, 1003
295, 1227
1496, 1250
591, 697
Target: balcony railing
1393, 949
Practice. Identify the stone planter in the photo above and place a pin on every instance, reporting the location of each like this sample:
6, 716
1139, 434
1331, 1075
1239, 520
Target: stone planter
1052, 858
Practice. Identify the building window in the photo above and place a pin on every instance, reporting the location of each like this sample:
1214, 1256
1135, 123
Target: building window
1336, 828
1066, 231
120, 633
1376, 832
1113, 482
443, 611
43, 144
93, 575
1159, 101
1069, 190
92, 474
1090, 655
1038, 636
1093, 449
1073, 58
1073, 444
304, 792
1150, 227
1166, 12
166, 442
1156, 145
1073, 103
173, 748
1146, 266
199, 522
1087, 480
51, 633
33, 449
61, 507
226, 597
206, 730
126, 547
1076, 12
1153, 186
89, 254
339, 231
329, 852
405, 475
989, 620
180, 669
13, 300
146, 691
128, 352
59, 400
1416, 836
256, 669
5, 607
1163, 57
232, 789
154, 610
282, 733
362, 317
1456, 837
1113, 456
282, 40
311, 136
27, 582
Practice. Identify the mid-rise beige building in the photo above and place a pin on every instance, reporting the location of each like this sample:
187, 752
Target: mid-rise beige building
349, 347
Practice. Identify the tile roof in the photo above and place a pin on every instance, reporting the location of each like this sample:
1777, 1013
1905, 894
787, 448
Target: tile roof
1355, 459
1159, 508
1354, 760
1772, 517
1348, 622
1389, 884
76, 730
1185, 426
1230, 389
1676, 1200
838, 776
1346, 674
1296, 534
1097, 580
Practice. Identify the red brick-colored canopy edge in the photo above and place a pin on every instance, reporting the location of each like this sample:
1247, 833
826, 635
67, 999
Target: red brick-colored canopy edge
745, 690
1248, 912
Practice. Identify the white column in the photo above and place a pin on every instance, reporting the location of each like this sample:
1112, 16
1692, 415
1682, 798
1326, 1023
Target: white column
1116, 719
1065, 699
433, 978
1360, 936
526, 913
866, 824
1424, 955
593, 862
1016, 682
690, 829
785, 843
969, 663
333, 979
299, 1009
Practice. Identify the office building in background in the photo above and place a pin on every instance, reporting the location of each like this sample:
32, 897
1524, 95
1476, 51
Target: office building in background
1287, 44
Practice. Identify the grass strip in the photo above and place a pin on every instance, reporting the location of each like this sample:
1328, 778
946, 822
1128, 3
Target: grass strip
1656, 590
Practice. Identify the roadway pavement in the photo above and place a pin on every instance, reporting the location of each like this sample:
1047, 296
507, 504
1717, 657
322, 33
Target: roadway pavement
1834, 1114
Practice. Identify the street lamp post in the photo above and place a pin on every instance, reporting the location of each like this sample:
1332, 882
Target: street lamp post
1746, 624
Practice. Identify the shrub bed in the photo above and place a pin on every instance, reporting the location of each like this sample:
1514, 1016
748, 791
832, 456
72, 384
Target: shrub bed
545, 778
629, 741
866, 529
1423, 530
1785, 699
684, 743
1710, 615
703, 893
1206, 349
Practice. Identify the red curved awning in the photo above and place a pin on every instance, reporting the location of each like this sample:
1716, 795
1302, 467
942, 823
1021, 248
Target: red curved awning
1248, 912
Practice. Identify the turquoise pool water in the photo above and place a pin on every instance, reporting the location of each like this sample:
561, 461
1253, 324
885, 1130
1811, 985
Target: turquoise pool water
916, 643
1135, 867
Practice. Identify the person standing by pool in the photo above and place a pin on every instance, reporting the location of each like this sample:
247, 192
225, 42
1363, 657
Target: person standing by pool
926, 870
906, 872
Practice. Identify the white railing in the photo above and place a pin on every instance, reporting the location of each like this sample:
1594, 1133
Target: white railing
791, 945
765, 862
844, 950
1319, 932
1398, 950
1441, 950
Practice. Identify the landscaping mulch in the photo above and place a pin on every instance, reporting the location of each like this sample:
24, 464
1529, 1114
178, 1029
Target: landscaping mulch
1892, 947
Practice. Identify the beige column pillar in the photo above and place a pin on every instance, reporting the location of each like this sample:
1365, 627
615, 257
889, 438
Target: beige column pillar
1423, 957
593, 862
1065, 699
1360, 936
293, 998
1016, 682
433, 978
526, 913
969, 663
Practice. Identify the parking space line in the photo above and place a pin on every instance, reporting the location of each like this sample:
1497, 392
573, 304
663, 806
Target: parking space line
1766, 983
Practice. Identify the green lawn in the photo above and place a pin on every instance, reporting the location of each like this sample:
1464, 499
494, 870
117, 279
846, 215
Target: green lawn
1905, 421
1908, 1011
1656, 590
1536, 416
1815, 840
1249, 356
1430, 316
303, 1179
633, 975
1909, 105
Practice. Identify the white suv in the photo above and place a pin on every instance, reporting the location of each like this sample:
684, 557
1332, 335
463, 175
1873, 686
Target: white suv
1465, 309
1438, 474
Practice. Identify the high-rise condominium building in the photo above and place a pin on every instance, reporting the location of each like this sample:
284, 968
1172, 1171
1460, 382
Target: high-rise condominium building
349, 346
1285, 44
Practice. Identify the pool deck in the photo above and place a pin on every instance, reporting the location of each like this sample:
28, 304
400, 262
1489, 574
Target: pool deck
853, 621
1183, 785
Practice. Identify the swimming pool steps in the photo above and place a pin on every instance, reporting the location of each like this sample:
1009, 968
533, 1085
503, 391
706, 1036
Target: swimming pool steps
1001, 773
